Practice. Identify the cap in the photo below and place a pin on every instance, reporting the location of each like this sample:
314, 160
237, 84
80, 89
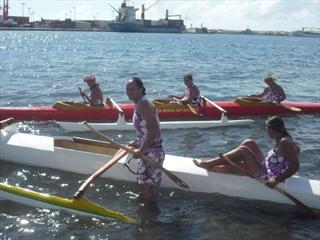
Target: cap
271, 77
89, 78
187, 76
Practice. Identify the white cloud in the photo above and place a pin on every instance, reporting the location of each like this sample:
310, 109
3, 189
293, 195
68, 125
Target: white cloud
257, 14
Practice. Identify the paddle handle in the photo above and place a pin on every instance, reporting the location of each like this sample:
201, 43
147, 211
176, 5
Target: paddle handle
173, 177
298, 203
85, 101
120, 154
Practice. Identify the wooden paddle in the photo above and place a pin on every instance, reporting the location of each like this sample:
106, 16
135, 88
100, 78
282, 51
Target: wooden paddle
257, 100
194, 110
118, 155
308, 211
173, 177
85, 101
295, 109
190, 107
6, 122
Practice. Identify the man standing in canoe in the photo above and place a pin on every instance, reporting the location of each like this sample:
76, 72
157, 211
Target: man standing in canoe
148, 141
273, 92
280, 163
96, 96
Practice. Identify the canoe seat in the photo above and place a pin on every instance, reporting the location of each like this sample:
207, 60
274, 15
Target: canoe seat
85, 147
74, 106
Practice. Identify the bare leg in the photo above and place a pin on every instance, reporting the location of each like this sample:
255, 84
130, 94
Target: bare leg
148, 208
251, 144
208, 164
248, 152
147, 193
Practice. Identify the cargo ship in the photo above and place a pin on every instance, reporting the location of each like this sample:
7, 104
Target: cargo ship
126, 21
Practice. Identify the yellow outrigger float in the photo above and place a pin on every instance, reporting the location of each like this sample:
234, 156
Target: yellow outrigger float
81, 206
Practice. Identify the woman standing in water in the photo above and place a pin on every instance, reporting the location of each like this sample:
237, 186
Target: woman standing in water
148, 141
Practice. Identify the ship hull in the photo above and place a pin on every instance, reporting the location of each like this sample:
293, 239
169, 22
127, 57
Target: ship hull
134, 27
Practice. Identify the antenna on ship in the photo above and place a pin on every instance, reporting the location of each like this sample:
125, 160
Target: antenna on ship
5, 9
143, 9
113, 8
172, 15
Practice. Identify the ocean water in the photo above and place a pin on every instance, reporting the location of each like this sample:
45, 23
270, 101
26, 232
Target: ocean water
40, 68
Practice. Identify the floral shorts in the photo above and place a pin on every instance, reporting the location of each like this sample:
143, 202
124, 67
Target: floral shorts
149, 174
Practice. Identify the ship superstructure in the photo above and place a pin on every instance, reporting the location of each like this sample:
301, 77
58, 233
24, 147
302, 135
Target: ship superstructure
126, 21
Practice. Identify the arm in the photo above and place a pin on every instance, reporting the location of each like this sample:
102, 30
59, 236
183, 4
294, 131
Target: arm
288, 150
176, 97
85, 97
147, 112
261, 94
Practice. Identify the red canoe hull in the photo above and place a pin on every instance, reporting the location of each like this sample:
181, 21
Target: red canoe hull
107, 115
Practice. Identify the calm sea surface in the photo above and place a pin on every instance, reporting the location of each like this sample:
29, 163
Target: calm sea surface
40, 68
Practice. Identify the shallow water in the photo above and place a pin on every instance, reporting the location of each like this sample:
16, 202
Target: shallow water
40, 68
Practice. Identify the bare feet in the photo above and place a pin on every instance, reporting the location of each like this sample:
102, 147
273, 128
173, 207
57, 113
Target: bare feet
221, 169
209, 166
203, 164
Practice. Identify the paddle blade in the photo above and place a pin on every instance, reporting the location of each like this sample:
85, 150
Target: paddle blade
295, 109
175, 179
194, 110
117, 156
306, 210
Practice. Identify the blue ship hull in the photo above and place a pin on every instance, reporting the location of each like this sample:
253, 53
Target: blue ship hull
134, 27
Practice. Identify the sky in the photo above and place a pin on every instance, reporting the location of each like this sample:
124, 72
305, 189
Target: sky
263, 15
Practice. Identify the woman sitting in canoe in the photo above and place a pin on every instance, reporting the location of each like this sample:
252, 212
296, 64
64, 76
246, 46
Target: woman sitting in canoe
96, 96
191, 93
272, 93
280, 163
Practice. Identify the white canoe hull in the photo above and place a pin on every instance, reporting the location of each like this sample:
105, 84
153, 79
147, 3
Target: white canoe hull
122, 125
41, 151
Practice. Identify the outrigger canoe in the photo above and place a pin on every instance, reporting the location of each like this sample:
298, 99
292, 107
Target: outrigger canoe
71, 111
122, 125
80, 206
64, 153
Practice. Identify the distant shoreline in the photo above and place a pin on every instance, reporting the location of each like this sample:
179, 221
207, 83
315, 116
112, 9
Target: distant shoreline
210, 31
52, 29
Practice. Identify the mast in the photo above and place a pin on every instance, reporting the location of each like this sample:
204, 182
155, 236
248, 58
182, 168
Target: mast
5, 9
